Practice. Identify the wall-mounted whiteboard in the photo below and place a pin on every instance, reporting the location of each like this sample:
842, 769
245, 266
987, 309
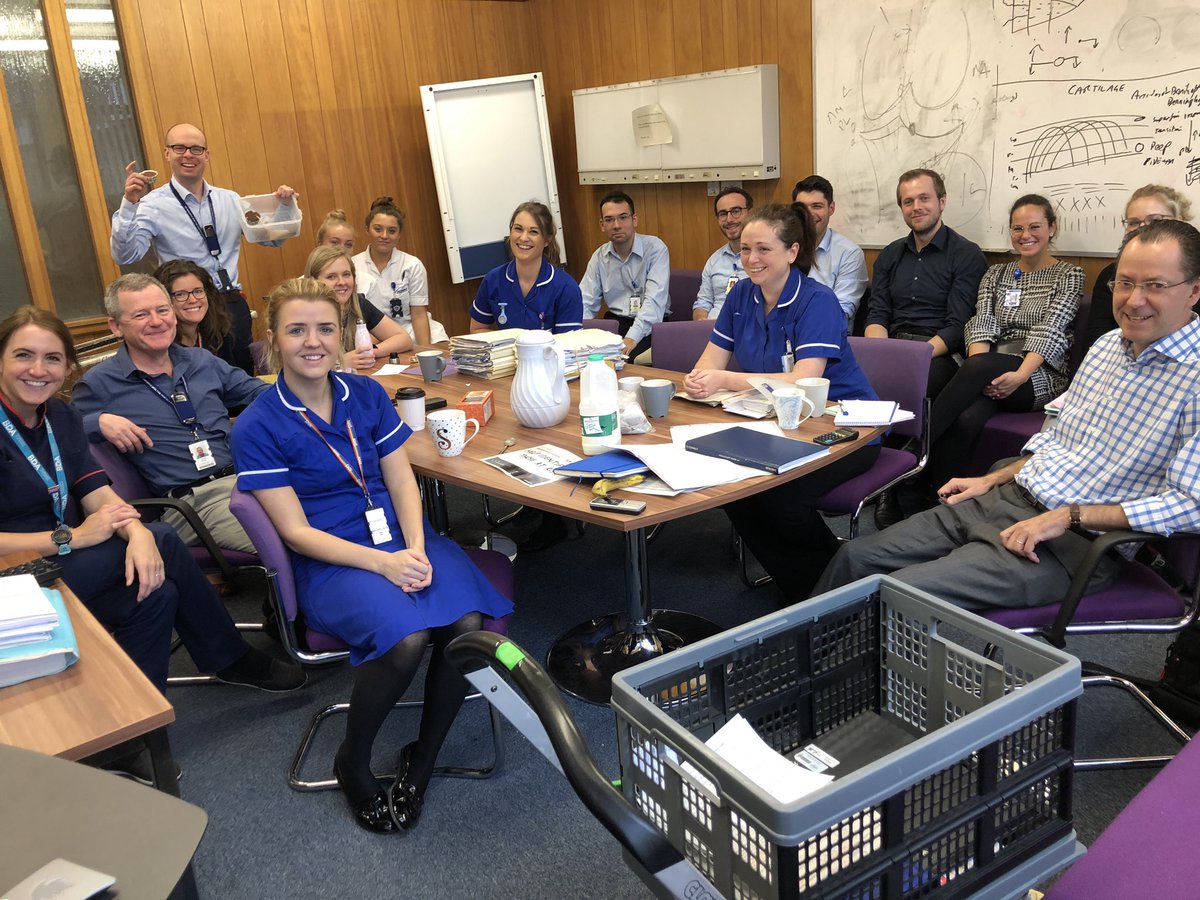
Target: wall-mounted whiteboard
724, 125
490, 144
1079, 100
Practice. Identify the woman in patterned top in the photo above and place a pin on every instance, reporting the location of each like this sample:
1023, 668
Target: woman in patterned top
1018, 341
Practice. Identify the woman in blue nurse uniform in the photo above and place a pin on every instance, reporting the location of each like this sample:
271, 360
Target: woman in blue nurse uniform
531, 291
781, 324
323, 454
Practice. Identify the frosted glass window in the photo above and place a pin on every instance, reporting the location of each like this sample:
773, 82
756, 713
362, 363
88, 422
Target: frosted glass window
14, 289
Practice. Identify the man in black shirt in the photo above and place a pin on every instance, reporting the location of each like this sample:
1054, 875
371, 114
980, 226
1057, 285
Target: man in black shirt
925, 284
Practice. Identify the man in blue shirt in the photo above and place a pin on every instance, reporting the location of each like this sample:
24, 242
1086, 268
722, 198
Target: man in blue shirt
167, 407
188, 218
631, 274
838, 263
1124, 452
724, 268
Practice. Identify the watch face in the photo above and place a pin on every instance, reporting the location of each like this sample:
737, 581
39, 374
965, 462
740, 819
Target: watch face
61, 535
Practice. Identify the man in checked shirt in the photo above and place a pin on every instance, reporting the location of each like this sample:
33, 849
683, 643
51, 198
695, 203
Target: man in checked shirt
1123, 453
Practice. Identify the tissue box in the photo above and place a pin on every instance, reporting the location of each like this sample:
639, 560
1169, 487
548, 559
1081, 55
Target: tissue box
478, 405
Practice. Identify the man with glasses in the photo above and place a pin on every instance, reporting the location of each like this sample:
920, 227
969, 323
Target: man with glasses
631, 274
724, 268
838, 263
187, 218
166, 407
1123, 453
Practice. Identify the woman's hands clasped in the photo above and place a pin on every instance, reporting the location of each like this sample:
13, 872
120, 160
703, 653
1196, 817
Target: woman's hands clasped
410, 570
705, 382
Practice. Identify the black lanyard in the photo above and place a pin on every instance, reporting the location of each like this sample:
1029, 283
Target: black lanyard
208, 234
179, 401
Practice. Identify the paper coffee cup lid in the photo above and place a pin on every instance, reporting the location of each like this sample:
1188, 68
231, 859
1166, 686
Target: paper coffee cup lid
409, 393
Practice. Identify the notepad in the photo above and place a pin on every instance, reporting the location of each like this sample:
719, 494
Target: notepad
756, 449
613, 464
870, 413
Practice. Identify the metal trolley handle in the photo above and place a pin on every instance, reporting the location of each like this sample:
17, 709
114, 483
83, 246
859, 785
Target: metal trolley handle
483, 657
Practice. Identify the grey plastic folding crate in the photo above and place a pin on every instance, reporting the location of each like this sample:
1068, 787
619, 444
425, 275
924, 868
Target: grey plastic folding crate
953, 772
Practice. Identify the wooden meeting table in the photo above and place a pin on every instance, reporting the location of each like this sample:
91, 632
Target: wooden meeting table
583, 661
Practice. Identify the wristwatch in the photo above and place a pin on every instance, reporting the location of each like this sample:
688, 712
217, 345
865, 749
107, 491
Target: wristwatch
1076, 519
62, 537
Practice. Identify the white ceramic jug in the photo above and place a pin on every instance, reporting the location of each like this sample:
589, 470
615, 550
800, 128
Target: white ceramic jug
539, 396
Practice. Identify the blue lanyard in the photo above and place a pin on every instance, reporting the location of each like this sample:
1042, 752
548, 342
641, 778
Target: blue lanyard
57, 486
185, 410
211, 242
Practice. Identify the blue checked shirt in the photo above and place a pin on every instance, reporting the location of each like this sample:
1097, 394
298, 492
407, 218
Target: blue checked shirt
1127, 434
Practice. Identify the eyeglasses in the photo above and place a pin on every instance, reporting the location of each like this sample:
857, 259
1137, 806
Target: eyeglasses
1131, 224
196, 293
613, 220
194, 149
734, 211
1035, 229
143, 315
1122, 287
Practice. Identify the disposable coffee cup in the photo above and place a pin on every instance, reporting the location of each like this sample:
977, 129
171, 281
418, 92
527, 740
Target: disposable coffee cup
792, 407
150, 175
817, 391
410, 403
432, 364
656, 396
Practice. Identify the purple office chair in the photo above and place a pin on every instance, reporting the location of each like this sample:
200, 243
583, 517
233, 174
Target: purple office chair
258, 353
677, 345
310, 647
682, 290
1138, 601
898, 371
609, 325
1007, 432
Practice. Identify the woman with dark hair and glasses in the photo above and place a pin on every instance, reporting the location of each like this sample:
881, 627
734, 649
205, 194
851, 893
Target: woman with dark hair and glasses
201, 316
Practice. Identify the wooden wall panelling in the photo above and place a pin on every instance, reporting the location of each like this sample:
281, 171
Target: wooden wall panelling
25, 227
141, 84
83, 149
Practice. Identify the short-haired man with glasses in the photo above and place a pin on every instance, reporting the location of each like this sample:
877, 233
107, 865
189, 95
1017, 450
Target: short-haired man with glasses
1124, 452
188, 218
631, 274
166, 407
838, 262
724, 268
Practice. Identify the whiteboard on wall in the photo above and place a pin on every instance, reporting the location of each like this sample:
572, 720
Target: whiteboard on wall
1081, 101
489, 141
724, 125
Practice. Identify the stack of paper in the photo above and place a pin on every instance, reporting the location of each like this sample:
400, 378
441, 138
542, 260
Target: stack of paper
579, 345
870, 412
26, 616
486, 354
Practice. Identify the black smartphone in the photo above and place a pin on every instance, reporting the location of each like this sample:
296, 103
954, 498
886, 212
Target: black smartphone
836, 437
432, 403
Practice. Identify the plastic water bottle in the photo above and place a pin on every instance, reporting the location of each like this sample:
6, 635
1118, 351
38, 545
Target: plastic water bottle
598, 419
362, 337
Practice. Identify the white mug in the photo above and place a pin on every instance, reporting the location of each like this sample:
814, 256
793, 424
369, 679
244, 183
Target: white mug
789, 403
817, 390
448, 430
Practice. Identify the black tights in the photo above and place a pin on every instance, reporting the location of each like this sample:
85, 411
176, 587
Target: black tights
378, 684
961, 411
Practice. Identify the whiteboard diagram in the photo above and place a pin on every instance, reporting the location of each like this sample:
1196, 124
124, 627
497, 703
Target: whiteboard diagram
1080, 100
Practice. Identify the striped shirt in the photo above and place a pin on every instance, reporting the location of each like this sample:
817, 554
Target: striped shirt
1127, 434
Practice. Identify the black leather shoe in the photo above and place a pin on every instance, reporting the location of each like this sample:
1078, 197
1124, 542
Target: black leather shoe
373, 813
404, 801
887, 509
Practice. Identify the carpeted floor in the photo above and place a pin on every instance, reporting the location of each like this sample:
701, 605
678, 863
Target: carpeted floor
522, 833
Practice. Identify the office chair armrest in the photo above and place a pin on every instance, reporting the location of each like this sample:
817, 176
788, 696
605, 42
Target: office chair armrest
1055, 635
193, 519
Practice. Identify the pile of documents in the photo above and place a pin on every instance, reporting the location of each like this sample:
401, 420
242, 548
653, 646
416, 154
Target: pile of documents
36, 637
486, 354
579, 345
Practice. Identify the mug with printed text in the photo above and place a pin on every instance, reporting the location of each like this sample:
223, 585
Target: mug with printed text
448, 430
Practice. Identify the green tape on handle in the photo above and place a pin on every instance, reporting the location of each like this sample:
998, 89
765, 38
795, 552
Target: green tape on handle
509, 655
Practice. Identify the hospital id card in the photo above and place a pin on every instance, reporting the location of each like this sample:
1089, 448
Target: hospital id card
378, 526
201, 455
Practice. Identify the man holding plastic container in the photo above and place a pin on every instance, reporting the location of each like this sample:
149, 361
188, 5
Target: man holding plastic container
187, 218
1124, 452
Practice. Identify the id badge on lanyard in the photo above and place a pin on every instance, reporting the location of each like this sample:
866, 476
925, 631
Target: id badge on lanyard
635, 302
1012, 298
788, 360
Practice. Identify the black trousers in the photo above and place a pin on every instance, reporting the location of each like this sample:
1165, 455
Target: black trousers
941, 368
784, 530
185, 603
623, 325
242, 331
961, 411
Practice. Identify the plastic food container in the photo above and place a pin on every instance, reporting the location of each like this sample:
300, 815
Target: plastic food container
952, 768
267, 230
